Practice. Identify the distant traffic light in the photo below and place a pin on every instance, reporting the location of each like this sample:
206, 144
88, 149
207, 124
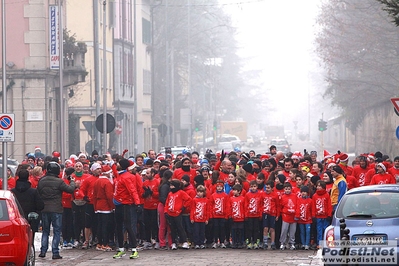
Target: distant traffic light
322, 125
197, 124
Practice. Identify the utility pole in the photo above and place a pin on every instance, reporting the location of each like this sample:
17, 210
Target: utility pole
61, 86
167, 77
105, 150
96, 63
135, 80
3, 53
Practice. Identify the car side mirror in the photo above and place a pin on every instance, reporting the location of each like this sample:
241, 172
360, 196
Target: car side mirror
33, 216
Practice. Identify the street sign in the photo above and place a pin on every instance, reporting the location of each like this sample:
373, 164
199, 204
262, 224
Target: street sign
7, 127
397, 132
110, 123
395, 102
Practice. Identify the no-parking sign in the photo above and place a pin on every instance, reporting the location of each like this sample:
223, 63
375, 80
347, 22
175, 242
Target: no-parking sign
6, 127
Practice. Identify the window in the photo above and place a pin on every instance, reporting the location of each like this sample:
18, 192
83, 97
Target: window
146, 81
3, 211
146, 31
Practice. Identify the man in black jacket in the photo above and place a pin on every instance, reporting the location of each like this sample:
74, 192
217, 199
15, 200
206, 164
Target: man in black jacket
50, 189
29, 199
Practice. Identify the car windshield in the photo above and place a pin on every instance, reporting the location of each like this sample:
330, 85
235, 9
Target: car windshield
369, 205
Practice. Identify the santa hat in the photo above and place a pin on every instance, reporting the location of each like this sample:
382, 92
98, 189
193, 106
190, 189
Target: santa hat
294, 157
106, 169
161, 157
383, 165
370, 156
327, 154
264, 157
37, 148
343, 157
132, 165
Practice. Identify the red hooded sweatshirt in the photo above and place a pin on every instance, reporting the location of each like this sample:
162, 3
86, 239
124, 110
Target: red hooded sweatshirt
175, 202
237, 208
253, 206
200, 210
288, 204
271, 204
151, 202
321, 204
220, 205
304, 210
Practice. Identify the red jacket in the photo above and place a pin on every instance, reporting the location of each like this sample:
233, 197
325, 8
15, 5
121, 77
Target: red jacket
34, 180
151, 202
66, 197
271, 204
78, 194
200, 210
380, 179
394, 172
87, 187
360, 174
103, 195
220, 205
288, 207
125, 189
11, 182
321, 204
253, 206
190, 190
352, 182
138, 180
304, 210
237, 208
175, 202
179, 173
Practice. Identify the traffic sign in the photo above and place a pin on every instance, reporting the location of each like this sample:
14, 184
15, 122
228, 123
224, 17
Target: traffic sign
397, 132
395, 102
6, 127
110, 123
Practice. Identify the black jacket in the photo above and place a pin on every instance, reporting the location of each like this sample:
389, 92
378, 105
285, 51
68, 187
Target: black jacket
29, 199
50, 190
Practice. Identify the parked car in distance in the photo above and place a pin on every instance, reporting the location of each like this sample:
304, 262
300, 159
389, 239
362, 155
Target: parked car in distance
12, 163
250, 141
371, 214
16, 243
281, 145
235, 140
174, 150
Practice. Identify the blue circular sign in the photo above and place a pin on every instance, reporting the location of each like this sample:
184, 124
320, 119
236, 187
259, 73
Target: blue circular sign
397, 132
5, 122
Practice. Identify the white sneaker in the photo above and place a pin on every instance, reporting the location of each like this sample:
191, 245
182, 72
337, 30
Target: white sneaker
292, 247
215, 245
306, 247
222, 245
282, 247
202, 247
156, 245
147, 245
75, 244
185, 245
197, 247
174, 247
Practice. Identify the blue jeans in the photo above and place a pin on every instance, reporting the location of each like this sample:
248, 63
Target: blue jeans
304, 230
322, 224
55, 219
